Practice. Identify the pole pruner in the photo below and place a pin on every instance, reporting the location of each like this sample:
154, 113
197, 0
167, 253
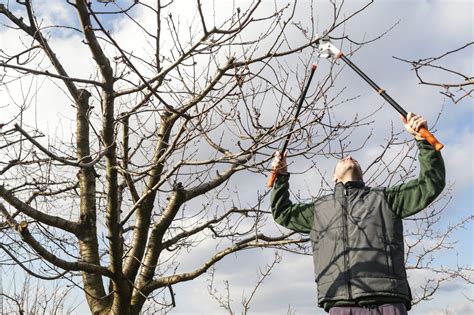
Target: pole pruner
328, 50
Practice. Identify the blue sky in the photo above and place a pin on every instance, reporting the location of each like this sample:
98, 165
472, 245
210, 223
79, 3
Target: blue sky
423, 29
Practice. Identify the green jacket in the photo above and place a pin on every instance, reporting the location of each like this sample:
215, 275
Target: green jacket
357, 233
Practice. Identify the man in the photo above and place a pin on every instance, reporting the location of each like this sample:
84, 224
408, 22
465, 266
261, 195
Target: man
357, 231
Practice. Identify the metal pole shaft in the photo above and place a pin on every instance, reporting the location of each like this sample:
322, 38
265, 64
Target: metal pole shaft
298, 109
273, 175
381, 91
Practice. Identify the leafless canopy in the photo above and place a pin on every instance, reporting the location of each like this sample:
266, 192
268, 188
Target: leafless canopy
457, 84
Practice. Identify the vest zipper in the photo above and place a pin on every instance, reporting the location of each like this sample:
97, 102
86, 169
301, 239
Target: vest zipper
345, 239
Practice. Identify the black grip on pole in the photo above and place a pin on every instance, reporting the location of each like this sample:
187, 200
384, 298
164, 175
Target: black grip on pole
298, 109
379, 90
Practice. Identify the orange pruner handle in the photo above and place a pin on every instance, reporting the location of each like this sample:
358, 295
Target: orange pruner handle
430, 138
271, 179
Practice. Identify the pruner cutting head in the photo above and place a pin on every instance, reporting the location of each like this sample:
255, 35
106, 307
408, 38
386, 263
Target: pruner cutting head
326, 48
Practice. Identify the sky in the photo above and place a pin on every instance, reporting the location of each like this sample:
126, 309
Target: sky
422, 29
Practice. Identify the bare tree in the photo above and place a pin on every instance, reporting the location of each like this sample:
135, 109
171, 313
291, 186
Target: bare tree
146, 175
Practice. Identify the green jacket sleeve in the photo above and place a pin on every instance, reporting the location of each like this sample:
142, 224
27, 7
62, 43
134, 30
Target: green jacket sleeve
411, 197
296, 217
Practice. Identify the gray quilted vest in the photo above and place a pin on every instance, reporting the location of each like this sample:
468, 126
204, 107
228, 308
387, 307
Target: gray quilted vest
358, 246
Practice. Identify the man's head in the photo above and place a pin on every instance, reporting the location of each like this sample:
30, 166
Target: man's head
347, 169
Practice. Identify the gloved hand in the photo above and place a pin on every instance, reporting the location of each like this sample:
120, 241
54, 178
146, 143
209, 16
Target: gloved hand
413, 123
279, 164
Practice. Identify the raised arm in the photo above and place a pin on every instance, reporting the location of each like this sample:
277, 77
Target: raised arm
411, 197
297, 217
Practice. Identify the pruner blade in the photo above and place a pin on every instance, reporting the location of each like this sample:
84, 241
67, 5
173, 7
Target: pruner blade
326, 48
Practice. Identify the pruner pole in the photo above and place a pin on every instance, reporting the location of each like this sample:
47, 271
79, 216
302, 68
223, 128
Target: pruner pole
273, 175
327, 49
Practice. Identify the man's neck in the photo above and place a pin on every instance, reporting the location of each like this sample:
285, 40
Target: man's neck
352, 184
349, 179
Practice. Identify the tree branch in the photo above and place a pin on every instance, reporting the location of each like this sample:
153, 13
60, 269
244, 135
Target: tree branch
58, 158
49, 74
42, 217
22, 229
254, 242
36, 34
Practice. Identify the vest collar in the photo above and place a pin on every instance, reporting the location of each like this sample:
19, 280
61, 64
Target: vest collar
355, 184
351, 184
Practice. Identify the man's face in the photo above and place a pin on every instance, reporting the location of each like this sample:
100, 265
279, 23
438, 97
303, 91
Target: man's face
347, 169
